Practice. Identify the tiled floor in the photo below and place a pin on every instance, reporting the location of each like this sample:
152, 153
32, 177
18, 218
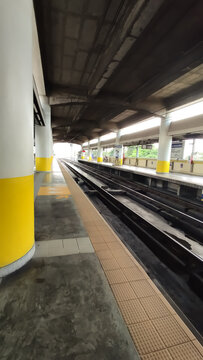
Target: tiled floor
156, 329
63, 247
60, 305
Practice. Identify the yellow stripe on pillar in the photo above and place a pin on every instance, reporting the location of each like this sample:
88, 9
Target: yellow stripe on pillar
16, 217
43, 164
162, 166
99, 159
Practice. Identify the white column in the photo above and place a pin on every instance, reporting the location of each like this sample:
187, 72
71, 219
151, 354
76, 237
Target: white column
118, 151
89, 152
16, 136
99, 152
43, 139
164, 153
82, 153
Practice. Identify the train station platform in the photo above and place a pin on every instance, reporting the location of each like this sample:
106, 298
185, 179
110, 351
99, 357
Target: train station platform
84, 296
180, 184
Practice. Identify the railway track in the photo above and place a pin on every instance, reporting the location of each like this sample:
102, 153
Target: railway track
185, 205
192, 226
166, 247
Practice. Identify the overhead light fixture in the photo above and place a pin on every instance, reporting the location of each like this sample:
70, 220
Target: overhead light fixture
93, 141
142, 125
188, 111
109, 136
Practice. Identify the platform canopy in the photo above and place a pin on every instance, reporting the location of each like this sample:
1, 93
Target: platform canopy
110, 63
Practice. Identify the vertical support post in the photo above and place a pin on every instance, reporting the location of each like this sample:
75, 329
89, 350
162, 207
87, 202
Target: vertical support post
118, 151
89, 152
164, 153
43, 139
16, 136
82, 153
99, 151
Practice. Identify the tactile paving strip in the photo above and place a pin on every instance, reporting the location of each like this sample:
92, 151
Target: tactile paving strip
142, 288
123, 291
154, 307
158, 355
133, 311
146, 338
185, 352
170, 331
115, 276
149, 316
133, 273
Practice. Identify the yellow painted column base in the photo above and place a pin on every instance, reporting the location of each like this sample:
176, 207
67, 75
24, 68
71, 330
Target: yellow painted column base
90, 158
82, 157
162, 166
43, 164
16, 218
99, 159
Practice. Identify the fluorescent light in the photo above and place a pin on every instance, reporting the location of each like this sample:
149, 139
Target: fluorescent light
85, 143
109, 136
93, 141
187, 112
142, 125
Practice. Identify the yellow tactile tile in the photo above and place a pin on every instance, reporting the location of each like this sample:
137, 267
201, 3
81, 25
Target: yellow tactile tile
115, 276
133, 273
104, 254
59, 190
146, 338
119, 253
100, 246
109, 238
125, 261
114, 246
123, 291
184, 327
170, 331
96, 238
142, 288
186, 351
109, 264
158, 355
198, 346
154, 307
133, 311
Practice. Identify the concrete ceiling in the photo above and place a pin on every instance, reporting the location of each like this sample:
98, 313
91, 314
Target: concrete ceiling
110, 63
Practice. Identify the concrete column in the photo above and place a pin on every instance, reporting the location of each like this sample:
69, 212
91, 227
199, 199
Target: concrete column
137, 152
118, 151
99, 152
89, 152
82, 154
164, 153
16, 136
43, 139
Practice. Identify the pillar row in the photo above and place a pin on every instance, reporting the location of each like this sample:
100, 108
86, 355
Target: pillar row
164, 153
16, 136
43, 140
